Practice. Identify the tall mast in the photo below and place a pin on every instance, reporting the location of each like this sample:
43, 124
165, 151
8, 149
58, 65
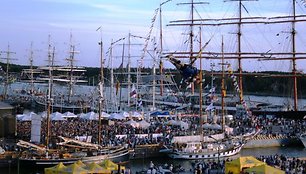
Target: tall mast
161, 48
129, 70
31, 68
101, 86
112, 76
293, 33
222, 87
239, 51
51, 54
8, 59
191, 39
201, 85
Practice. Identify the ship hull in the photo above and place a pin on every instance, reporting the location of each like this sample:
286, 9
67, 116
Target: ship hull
117, 157
198, 155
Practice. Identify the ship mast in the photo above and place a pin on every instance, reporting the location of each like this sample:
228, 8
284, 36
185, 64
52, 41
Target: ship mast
239, 52
51, 54
31, 68
71, 60
222, 87
293, 33
101, 86
201, 86
8, 59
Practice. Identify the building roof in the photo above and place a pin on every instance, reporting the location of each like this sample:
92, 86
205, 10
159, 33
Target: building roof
5, 106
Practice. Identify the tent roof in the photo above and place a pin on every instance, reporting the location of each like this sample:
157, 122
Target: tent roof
238, 164
59, 167
262, 169
75, 169
95, 168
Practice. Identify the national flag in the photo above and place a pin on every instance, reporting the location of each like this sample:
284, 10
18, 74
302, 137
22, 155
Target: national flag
133, 93
139, 103
210, 107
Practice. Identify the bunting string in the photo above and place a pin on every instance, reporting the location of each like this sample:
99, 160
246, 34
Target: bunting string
238, 90
147, 39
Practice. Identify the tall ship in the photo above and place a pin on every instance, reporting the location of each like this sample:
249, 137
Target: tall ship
67, 150
62, 82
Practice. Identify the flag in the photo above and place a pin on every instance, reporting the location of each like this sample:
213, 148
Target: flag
117, 87
121, 66
133, 93
210, 107
139, 103
212, 90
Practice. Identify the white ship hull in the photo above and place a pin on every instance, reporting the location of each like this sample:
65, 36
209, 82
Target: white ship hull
175, 154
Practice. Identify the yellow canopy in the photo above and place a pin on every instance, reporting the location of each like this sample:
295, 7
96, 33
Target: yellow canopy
238, 164
55, 169
108, 164
74, 169
80, 163
95, 168
262, 169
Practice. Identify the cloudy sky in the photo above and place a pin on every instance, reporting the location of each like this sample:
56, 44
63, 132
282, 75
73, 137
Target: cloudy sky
32, 21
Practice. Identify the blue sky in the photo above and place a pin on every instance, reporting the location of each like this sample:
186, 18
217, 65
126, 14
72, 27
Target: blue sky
26, 21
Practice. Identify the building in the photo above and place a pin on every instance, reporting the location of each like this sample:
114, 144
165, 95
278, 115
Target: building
7, 121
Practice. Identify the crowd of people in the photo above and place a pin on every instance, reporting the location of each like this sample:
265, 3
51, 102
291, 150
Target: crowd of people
158, 125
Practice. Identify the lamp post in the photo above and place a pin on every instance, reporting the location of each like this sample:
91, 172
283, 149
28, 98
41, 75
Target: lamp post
218, 152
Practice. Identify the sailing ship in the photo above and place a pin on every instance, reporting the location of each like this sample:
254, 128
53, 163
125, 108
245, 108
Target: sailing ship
87, 152
70, 150
206, 147
66, 77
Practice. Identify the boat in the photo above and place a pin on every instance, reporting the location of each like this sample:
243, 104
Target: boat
211, 146
79, 151
64, 78
303, 139
196, 150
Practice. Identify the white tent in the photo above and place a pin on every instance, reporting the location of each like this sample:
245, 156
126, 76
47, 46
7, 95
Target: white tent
125, 114
19, 117
143, 124
132, 123
171, 122
180, 123
183, 124
26, 117
136, 114
69, 115
90, 116
105, 115
116, 116
56, 116
216, 126
43, 114
207, 126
